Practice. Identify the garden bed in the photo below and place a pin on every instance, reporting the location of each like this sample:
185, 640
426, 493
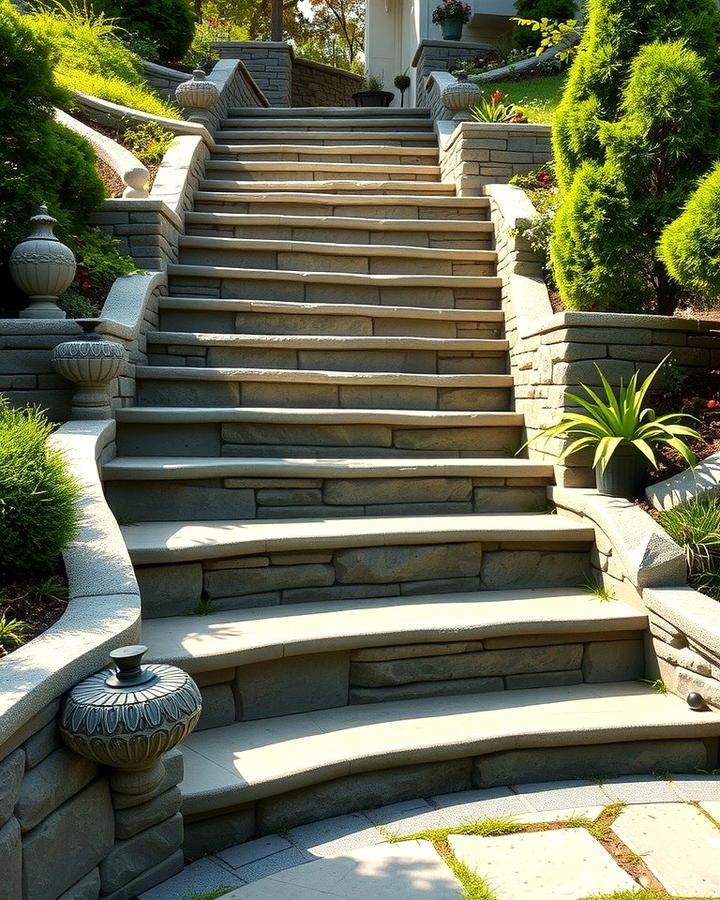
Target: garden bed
30, 605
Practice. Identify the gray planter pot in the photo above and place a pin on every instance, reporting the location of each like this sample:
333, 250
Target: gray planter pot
625, 473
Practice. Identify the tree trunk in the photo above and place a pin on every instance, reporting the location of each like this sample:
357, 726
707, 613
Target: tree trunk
668, 291
276, 26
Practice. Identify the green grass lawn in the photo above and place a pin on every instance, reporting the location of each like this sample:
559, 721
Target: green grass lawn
539, 97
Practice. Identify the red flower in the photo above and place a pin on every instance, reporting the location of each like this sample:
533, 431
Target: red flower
712, 404
497, 96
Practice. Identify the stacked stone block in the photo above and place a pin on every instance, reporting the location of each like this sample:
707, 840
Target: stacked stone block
439, 56
268, 62
481, 153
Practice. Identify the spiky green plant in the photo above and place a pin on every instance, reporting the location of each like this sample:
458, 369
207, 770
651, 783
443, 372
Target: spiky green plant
621, 419
13, 634
695, 526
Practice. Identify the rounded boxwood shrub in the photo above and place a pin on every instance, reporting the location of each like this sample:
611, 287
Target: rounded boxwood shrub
690, 246
38, 497
555, 10
604, 246
168, 24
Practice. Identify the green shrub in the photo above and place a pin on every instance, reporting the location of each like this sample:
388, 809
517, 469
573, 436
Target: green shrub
148, 141
88, 56
200, 52
636, 173
615, 31
38, 497
168, 24
690, 246
556, 10
695, 526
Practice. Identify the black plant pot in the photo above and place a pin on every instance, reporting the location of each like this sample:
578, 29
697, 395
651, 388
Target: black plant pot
625, 473
373, 98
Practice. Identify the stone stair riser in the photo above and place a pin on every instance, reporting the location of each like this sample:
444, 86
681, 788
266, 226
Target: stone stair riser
329, 123
352, 573
216, 321
351, 187
209, 201
327, 292
315, 681
370, 789
317, 173
362, 155
256, 439
277, 498
473, 239
339, 113
430, 361
305, 260
344, 138
194, 393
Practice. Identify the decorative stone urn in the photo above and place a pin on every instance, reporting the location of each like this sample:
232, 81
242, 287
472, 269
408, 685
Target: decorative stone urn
459, 96
43, 268
197, 96
128, 716
91, 363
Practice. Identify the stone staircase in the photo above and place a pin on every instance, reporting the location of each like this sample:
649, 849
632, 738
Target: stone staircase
319, 490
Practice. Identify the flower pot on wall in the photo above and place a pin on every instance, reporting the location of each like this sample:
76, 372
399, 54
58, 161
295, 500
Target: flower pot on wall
452, 28
624, 475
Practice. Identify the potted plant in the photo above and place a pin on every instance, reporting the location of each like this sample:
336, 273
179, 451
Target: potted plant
372, 93
624, 433
451, 15
402, 83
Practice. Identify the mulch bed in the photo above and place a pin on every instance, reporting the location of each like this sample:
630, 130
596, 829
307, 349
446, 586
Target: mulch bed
38, 600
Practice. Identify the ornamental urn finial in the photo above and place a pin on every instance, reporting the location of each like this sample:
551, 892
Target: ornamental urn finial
459, 95
197, 96
129, 715
91, 363
42, 267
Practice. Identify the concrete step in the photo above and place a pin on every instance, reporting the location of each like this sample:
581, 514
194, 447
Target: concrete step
341, 136
347, 353
369, 206
284, 317
370, 153
335, 287
320, 122
153, 488
397, 648
318, 256
267, 170
390, 188
257, 431
417, 627
279, 772
161, 385
329, 112
448, 234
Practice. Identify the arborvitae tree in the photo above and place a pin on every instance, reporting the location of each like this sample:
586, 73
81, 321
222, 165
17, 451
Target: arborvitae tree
607, 229
615, 31
690, 246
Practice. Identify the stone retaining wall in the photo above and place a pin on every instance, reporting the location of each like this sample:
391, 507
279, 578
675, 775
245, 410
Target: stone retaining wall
315, 84
65, 830
480, 153
553, 353
268, 62
163, 79
26, 372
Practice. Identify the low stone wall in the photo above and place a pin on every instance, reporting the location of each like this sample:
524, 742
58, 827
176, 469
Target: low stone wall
163, 79
65, 830
477, 154
554, 353
438, 56
26, 372
314, 84
268, 62
685, 629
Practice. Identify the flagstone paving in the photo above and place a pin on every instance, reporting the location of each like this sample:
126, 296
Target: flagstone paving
677, 842
350, 857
